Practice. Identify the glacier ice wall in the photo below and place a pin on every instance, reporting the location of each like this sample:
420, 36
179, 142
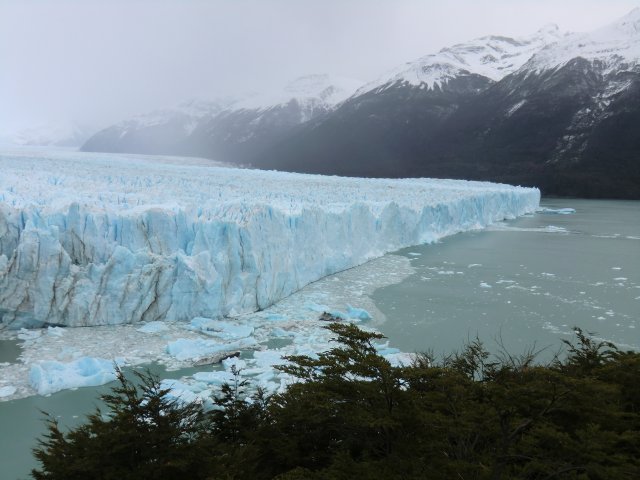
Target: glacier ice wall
91, 239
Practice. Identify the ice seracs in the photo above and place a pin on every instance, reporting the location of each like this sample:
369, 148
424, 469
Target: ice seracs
94, 240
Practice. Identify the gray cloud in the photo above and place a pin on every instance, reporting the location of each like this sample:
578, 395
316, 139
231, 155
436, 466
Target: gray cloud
99, 61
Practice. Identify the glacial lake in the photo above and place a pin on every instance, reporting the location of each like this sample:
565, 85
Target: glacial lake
523, 283
526, 281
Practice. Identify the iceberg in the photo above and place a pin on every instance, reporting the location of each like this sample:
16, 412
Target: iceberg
51, 376
101, 239
220, 329
195, 349
7, 390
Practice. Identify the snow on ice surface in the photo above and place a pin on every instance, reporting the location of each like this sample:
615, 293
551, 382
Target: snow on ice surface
493, 57
106, 239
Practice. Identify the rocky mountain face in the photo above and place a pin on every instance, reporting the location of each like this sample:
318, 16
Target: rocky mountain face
556, 111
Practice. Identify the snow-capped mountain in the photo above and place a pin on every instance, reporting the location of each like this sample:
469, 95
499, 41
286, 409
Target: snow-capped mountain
61, 134
493, 57
311, 92
230, 129
560, 112
614, 47
553, 110
158, 131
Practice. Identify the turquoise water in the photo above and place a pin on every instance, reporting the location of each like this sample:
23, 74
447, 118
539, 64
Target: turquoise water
22, 420
10, 350
524, 283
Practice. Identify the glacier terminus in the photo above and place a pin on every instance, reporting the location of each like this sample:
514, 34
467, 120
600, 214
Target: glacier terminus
104, 239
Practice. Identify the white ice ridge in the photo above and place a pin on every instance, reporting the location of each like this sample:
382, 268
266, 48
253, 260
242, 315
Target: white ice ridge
97, 239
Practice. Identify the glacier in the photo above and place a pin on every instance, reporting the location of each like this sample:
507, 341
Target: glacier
103, 239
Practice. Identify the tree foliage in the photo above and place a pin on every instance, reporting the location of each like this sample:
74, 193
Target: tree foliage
470, 415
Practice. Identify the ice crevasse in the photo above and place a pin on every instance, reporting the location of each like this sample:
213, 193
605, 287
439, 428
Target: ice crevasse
90, 239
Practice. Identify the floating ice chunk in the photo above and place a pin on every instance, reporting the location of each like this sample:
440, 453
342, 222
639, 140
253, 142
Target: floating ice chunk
314, 307
485, 285
384, 349
268, 358
55, 331
556, 211
275, 317
29, 334
414, 254
181, 391
282, 333
7, 391
358, 313
399, 359
51, 376
236, 362
215, 378
221, 329
554, 229
473, 265
187, 349
153, 327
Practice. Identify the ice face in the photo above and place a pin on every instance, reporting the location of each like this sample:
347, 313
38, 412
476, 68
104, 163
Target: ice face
90, 239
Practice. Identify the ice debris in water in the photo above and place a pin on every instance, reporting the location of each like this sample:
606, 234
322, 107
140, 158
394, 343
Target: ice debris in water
51, 376
358, 313
124, 239
556, 211
7, 391
153, 327
196, 349
221, 329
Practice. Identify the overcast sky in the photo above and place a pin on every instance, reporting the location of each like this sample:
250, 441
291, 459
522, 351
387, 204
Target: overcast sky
98, 61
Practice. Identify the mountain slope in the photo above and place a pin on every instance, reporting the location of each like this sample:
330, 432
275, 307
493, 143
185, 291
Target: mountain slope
230, 129
564, 120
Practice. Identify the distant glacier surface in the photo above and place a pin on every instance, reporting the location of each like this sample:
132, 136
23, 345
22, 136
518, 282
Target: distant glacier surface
100, 239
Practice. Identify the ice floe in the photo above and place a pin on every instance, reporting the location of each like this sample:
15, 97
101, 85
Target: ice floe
48, 377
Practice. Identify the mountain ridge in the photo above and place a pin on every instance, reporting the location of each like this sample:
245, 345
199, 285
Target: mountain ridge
552, 110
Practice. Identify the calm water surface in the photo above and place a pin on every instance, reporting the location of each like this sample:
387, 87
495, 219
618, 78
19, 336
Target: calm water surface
21, 421
10, 350
526, 282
